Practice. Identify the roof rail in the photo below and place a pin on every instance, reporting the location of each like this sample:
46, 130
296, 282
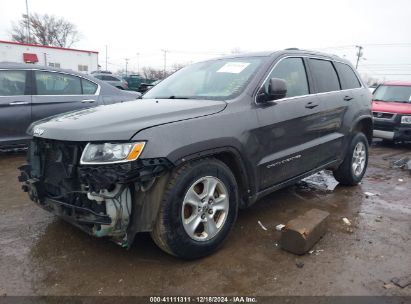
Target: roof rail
292, 49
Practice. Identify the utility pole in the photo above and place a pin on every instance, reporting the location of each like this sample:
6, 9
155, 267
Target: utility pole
359, 54
106, 57
126, 64
138, 63
165, 62
28, 22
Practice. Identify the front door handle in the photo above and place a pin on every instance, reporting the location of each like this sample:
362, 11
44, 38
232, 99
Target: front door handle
348, 98
88, 100
18, 103
311, 105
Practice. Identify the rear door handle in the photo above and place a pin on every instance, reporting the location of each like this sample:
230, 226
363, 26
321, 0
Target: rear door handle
311, 105
18, 103
88, 100
348, 98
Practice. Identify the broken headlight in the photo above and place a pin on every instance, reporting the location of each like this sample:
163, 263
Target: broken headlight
109, 153
406, 119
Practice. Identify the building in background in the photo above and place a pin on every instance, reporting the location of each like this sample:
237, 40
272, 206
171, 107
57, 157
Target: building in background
53, 56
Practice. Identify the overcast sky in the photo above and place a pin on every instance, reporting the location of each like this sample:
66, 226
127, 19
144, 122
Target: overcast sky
193, 30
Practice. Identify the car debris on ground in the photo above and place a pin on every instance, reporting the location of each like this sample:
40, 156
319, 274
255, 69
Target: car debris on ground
322, 180
316, 252
402, 281
262, 226
279, 227
388, 285
400, 163
346, 221
300, 234
370, 194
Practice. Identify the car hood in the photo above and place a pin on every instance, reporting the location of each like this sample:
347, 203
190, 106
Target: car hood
391, 107
122, 120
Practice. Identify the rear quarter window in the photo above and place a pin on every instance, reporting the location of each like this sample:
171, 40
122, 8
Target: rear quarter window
324, 75
110, 78
347, 76
89, 87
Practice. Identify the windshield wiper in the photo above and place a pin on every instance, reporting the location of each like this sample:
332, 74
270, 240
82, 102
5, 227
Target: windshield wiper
173, 97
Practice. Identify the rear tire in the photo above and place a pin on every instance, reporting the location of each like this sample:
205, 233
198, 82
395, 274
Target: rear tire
353, 168
199, 208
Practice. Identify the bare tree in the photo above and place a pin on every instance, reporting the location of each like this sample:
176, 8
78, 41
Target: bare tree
45, 30
176, 67
152, 73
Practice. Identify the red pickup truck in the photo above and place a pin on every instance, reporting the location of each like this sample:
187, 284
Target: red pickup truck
392, 111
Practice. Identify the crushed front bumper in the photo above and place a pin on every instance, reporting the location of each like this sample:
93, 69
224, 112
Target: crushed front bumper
98, 199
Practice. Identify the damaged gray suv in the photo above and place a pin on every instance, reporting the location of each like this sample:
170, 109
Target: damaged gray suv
212, 138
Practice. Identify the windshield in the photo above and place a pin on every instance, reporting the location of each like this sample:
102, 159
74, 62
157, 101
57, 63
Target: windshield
217, 79
393, 93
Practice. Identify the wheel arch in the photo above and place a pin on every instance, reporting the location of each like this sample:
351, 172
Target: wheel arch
364, 124
231, 157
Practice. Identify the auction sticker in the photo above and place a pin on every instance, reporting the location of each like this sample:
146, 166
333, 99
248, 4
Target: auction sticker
233, 67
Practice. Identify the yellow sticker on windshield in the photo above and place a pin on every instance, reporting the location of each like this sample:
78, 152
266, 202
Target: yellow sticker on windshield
233, 67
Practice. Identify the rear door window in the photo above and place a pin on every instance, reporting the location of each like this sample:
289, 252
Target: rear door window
57, 84
347, 76
292, 70
12, 83
89, 88
324, 75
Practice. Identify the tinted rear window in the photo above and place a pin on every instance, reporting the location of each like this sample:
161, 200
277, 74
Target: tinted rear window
324, 74
347, 76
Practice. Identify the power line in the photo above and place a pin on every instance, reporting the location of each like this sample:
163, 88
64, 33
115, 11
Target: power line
389, 44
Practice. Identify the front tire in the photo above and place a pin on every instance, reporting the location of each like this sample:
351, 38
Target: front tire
353, 168
198, 210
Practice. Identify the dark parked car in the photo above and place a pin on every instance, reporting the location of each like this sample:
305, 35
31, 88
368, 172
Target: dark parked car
212, 138
144, 87
30, 92
135, 81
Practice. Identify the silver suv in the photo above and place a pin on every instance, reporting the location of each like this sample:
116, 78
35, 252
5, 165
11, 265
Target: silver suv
115, 81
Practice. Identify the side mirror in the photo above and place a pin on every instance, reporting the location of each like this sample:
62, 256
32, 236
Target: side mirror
277, 88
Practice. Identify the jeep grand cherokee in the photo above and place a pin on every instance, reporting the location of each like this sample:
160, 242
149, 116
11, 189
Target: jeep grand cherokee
212, 138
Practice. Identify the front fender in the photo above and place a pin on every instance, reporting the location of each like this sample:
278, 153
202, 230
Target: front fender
207, 136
